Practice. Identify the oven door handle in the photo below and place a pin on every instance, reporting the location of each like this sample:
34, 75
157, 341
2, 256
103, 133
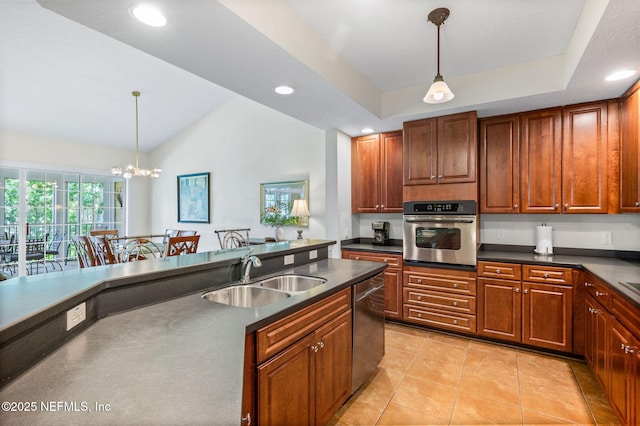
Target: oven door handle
438, 221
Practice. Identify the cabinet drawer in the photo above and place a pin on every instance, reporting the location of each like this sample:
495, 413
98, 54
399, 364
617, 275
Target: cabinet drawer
390, 259
626, 314
505, 271
547, 274
598, 290
443, 301
460, 285
440, 319
282, 333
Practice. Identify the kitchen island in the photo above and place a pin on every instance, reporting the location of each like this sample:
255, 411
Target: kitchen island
179, 361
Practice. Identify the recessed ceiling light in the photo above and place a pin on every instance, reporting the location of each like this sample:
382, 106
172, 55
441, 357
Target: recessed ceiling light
620, 75
148, 15
368, 130
284, 90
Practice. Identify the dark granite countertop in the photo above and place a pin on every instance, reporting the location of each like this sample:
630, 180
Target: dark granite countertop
367, 246
176, 362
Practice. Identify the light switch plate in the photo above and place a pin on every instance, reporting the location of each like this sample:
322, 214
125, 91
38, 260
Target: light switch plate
288, 259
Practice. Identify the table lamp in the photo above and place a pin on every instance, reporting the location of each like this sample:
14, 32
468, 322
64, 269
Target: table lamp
299, 210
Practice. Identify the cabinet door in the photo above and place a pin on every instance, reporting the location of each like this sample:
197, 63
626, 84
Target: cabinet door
393, 293
457, 148
499, 168
419, 152
541, 161
332, 367
630, 150
634, 397
584, 159
595, 330
621, 369
499, 309
546, 316
286, 386
365, 174
391, 173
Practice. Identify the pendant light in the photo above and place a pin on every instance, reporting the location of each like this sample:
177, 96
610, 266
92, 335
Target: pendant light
130, 171
439, 92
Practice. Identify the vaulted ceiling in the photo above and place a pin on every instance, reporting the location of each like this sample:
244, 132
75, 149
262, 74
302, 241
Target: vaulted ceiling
68, 67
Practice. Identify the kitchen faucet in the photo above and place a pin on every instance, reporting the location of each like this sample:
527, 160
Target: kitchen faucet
247, 261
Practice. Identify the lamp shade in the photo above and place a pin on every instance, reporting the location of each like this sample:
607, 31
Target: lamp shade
300, 208
438, 92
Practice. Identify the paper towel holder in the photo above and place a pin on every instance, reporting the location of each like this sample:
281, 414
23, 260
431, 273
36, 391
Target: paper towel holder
544, 247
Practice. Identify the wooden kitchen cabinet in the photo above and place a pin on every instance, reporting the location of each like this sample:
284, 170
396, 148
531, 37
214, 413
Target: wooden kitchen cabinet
564, 160
440, 150
536, 311
630, 150
304, 370
376, 173
441, 298
392, 278
499, 164
595, 350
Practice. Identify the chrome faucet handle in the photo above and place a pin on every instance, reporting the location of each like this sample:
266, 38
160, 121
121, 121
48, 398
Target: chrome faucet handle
245, 257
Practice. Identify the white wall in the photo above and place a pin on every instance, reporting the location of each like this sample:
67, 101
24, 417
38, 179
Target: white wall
569, 230
242, 144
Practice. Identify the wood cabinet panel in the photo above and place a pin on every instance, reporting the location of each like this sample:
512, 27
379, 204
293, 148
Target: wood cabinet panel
365, 174
547, 274
595, 353
457, 148
547, 316
504, 271
419, 152
439, 300
499, 309
584, 159
621, 369
391, 174
499, 165
392, 279
435, 279
441, 319
541, 161
630, 150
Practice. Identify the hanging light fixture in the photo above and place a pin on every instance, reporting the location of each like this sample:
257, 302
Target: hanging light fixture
439, 92
131, 170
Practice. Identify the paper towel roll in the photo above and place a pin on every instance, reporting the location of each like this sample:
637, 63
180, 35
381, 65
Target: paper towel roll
544, 239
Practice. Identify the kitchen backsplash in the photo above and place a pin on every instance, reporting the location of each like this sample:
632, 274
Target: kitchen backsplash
569, 230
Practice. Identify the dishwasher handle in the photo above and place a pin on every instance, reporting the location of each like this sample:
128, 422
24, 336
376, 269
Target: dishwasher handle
368, 293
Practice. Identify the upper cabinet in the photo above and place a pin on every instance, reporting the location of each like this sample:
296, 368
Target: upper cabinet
547, 161
440, 150
376, 173
499, 170
630, 150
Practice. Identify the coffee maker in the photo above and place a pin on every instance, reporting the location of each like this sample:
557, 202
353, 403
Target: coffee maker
380, 233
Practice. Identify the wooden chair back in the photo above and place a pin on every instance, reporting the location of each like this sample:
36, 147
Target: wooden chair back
108, 233
85, 252
104, 249
182, 245
233, 238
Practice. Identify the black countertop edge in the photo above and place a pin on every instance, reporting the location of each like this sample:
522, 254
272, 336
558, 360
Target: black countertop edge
565, 251
365, 244
101, 278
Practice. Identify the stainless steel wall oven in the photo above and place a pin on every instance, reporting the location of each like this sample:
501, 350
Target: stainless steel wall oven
440, 232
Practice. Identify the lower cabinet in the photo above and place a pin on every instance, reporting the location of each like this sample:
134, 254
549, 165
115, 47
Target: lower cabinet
441, 298
612, 347
392, 278
536, 311
304, 364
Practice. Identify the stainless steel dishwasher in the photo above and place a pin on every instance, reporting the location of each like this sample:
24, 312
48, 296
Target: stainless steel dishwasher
368, 329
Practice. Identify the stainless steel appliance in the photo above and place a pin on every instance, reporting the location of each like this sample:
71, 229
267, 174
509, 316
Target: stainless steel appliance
380, 233
440, 232
368, 329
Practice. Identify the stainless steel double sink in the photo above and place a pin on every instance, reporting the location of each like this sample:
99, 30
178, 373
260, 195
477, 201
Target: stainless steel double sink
264, 292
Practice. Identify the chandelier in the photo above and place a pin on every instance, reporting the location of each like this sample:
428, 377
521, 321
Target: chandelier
131, 170
439, 91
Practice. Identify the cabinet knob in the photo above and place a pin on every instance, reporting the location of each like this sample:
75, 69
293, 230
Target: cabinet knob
419, 315
377, 206
497, 271
419, 297
526, 291
432, 177
455, 322
637, 203
455, 303
515, 206
517, 290
455, 285
419, 281
599, 293
321, 344
556, 206
314, 348
545, 275
357, 257
246, 419
382, 206
566, 207
586, 284
439, 176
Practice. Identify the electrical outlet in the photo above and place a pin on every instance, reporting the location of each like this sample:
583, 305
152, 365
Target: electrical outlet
288, 259
313, 254
606, 238
500, 234
76, 315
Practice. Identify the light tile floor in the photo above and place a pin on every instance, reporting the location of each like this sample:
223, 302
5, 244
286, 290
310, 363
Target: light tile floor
431, 378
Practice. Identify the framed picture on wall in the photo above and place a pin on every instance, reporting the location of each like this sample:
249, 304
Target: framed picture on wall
193, 198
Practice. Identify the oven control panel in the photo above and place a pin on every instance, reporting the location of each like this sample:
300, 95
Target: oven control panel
441, 207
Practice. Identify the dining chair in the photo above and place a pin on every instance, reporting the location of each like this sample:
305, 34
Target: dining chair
54, 250
109, 233
233, 238
104, 249
182, 245
140, 249
85, 252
